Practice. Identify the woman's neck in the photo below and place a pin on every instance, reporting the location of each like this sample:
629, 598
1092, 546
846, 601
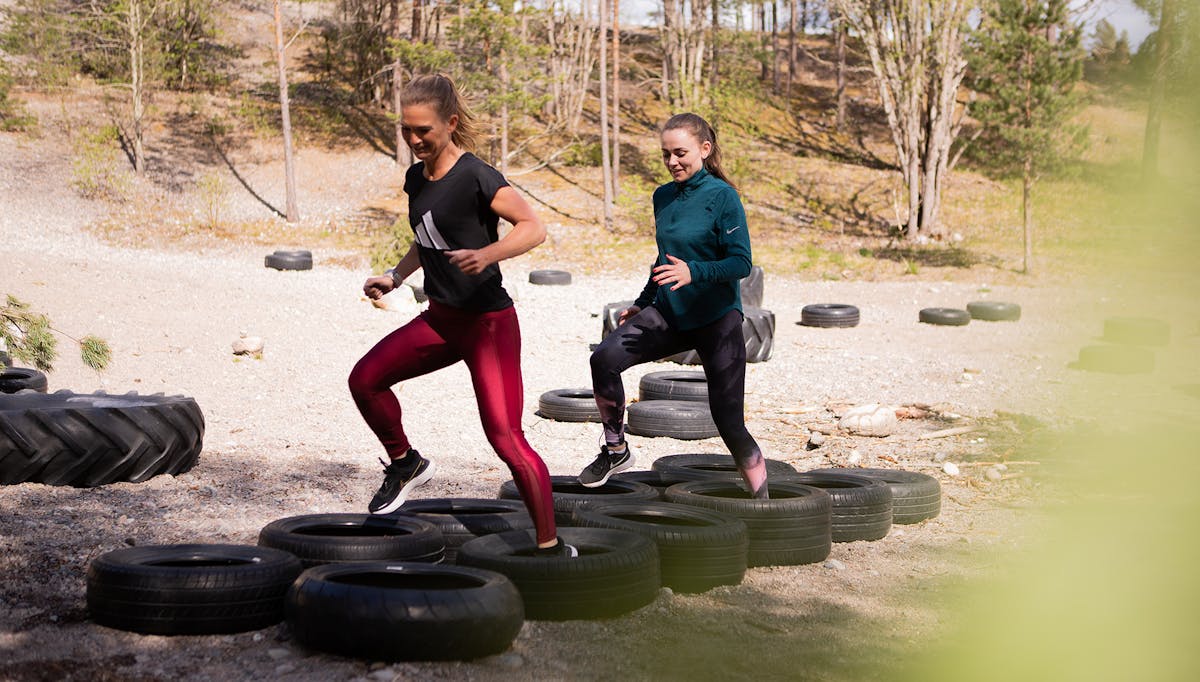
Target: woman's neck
437, 167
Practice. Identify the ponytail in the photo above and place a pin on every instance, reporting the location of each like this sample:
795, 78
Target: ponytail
439, 92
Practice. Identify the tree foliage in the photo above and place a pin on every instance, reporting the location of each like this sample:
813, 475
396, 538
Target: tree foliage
29, 338
1026, 59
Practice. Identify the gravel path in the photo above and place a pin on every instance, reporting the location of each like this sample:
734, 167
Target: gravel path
284, 438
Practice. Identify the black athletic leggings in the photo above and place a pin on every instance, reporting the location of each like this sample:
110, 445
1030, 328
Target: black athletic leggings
646, 337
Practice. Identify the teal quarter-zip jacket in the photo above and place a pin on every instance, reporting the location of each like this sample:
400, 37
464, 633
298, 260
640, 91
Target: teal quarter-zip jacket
700, 221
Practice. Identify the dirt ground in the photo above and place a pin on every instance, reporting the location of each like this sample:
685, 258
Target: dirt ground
283, 438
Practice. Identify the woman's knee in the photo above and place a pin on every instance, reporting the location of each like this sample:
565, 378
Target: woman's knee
362, 379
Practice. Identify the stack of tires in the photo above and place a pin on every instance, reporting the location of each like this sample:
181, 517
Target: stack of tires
673, 404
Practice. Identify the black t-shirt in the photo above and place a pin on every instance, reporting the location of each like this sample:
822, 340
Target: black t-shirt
454, 212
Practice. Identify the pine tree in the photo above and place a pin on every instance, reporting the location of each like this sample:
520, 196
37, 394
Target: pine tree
1026, 59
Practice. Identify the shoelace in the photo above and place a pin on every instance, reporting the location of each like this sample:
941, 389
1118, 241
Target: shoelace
603, 462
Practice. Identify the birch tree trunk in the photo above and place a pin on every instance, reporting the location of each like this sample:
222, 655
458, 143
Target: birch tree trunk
791, 47
137, 63
291, 214
915, 48
616, 100
505, 87
403, 154
605, 157
776, 80
839, 27
1162, 56
1027, 213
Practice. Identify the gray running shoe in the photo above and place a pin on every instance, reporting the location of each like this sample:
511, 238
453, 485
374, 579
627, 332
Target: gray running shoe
606, 464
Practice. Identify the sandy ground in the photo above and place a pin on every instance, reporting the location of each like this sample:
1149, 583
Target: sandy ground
283, 438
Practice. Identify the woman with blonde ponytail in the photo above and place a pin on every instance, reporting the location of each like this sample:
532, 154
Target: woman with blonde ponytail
455, 203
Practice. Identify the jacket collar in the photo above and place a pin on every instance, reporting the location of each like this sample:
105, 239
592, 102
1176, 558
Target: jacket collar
689, 185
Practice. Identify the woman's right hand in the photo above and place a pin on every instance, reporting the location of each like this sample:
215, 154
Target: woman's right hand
376, 287
628, 313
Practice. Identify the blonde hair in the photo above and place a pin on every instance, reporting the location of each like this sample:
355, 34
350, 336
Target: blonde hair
703, 132
439, 92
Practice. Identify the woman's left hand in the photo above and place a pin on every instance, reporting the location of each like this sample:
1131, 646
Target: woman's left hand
675, 272
470, 261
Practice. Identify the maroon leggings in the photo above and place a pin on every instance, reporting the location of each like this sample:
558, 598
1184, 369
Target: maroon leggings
490, 344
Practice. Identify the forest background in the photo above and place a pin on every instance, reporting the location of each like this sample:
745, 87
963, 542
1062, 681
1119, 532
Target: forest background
869, 139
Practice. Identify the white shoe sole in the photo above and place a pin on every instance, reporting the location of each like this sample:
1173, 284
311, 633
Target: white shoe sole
420, 480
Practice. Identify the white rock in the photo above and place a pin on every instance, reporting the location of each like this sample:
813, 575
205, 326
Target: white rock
834, 564
385, 674
511, 661
950, 468
939, 457
285, 668
993, 474
855, 457
816, 439
871, 419
278, 654
248, 345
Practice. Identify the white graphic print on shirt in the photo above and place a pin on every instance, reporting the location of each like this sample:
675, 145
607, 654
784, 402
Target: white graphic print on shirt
428, 234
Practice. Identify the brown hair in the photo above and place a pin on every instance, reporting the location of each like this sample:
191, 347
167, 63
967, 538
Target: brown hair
439, 92
702, 131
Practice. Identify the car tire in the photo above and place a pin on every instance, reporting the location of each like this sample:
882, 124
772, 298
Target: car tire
569, 405
190, 589
290, 260
862, 506
829, 315
994, 311
698, 549
13, 379
404, 611
681, 419
690, 385
707, 467
793, 527
949, 317
461, 519
339, 538
92, 439
569, 493
659, 480
551, 277
915, 496
615, 572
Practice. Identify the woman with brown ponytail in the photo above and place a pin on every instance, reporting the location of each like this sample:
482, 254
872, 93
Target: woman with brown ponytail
692, 299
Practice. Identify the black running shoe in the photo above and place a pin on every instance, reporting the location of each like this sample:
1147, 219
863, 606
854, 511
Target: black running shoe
400, 477
561, 549
606, 464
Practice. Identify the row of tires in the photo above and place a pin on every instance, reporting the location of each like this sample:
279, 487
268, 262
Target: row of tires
373, 587
844, 315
